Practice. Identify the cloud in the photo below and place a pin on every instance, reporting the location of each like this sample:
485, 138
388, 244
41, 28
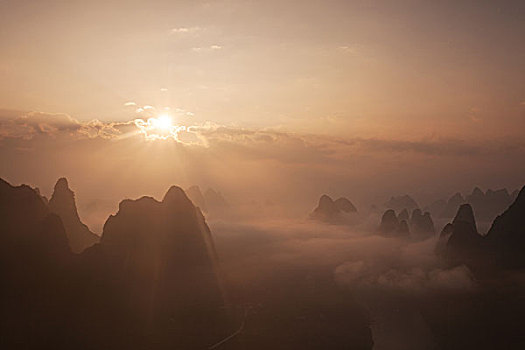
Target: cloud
151, 131
257, 143
185, 30
360, 275
360, 261
340, 148
28, 125
210, 48
352, 50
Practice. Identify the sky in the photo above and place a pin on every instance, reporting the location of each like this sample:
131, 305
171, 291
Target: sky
277, 99
452, 68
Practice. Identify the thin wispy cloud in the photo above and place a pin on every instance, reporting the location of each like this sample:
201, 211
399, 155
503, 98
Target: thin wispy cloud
185, 30
207, 48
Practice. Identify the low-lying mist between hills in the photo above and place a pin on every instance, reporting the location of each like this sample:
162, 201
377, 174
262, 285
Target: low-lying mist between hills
385, 276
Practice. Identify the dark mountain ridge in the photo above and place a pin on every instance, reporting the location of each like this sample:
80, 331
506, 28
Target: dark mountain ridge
62, 203
501, 247
154, 274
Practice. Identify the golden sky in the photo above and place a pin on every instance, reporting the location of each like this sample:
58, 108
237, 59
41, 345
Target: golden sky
401, 69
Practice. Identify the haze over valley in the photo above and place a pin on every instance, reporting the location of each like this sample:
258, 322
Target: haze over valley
262, 175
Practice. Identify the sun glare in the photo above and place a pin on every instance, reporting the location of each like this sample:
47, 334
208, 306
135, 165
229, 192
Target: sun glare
162, 122
161, 127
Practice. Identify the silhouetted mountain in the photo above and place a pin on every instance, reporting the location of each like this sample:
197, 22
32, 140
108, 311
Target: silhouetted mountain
514, 195
503, 245
325, 210
401, 202
465, 214
62, 203
389, 223
151, 282
506, 237
332, 211
421, 225
34, 258
486, 205
403, 215
464, 243
343, 204
195, 194
443, 239
163, 256
489, 204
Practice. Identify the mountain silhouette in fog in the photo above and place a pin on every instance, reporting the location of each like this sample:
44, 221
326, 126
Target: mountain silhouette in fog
210, 201
501, 247
401, 202
332, 211
487, 205
418, 226
62, 203
421, 224
194, 193
391, 225
507, 234
151, 282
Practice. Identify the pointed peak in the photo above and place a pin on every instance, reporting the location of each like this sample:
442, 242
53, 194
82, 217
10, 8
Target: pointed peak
389, 213
477, 191
62, 191
325, 199
62, 183
175, 194
465, 214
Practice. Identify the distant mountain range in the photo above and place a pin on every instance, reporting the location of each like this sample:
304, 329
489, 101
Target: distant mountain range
486, 205
209, 202
418, 226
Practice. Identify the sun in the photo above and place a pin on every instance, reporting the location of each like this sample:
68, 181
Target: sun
163, 122
161, 127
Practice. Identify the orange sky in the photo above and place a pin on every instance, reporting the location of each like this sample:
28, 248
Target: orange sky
403, 69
